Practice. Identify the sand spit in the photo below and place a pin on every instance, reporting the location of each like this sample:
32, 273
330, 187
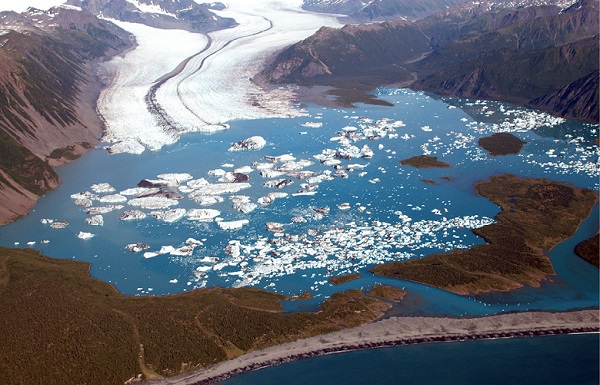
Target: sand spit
400, 331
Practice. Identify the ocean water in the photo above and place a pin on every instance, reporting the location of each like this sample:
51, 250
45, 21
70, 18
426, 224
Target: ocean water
560, 360
380, 194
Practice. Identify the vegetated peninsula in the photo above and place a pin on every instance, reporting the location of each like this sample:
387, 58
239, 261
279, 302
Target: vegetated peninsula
503, 143
62, 326
542, 56
49, 92
536, 215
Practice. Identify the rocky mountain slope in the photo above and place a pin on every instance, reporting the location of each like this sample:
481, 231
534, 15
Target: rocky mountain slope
167, 14
536, 56
357, 11
48, 93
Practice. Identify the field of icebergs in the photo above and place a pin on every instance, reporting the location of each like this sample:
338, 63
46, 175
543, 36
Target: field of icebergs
287, 203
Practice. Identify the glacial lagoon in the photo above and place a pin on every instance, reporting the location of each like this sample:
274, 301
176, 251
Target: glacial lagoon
332, 215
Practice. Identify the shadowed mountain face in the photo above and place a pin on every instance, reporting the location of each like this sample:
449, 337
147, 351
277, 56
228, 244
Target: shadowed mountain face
536, 56
167, 14
47, 109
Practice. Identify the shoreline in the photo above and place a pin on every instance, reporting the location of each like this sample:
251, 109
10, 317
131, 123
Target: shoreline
398, 331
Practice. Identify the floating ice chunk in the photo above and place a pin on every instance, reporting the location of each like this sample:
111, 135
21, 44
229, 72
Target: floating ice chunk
252, 143
126, 146
344, 206
274, 227
166, 250
129, 215
101, 188
374, 180
183, 251
83, 202
96, 220
243, 170
233, 225
278, 183
85, 195
150, 254
219, 189
242, 203
233, 249
262, 166
299, 219
280, 158
217, 172
99, 210
312, 124
59, 224
426, 128
84, 235
206, 200
115, 198
138, 191
175, 179
137, 247
266, 173
193, 242
46, 221
170, 216
153, 202
203, 215
173, 281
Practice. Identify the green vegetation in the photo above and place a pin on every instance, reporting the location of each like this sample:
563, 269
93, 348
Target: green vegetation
589, 250
424, 161
25, 168
339, 279
502, 143
62, 327
387, 292
536, 215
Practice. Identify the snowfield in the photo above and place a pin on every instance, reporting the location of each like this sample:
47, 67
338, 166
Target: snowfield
175, 82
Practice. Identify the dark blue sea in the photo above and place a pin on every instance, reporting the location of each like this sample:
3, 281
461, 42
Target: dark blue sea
548, 360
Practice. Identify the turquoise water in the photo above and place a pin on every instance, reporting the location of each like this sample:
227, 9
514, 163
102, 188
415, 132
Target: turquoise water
560, 151
571, 359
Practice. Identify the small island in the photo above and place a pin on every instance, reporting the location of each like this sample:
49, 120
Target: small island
589, 250
424, 161
536, 215
502, 143
339, 279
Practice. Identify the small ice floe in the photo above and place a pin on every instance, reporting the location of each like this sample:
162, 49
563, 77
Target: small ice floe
366, 152
233, 249
280, 158
137, 191
175, 179
85, 195
59, 224
137, 247
203, 215
95, 220
102, 188
99, 210
374, 180
153, 202
252, 143
84, 235
312, 124
269, 173
46, 221
173, 281
426, 129
30, 243
166, 249
344, 206
242, 203
217, 172
232, 225
299, 219
197, 183
274, 227
206, 200
114, 198
270, 197
219, 189
243, 170
44, 241
278, 183
130, 215
150, 254
83, 202
183, 251
169, 216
